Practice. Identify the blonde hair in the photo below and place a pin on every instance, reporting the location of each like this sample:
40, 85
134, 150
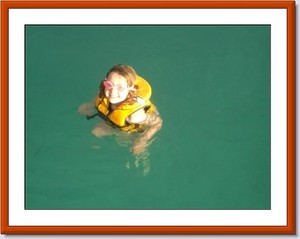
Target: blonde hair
129, 74
126, 71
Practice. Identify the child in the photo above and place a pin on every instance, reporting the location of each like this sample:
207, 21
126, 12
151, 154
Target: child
124, 103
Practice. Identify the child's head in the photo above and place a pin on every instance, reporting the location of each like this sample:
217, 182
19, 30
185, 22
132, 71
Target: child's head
123, 70
119, 83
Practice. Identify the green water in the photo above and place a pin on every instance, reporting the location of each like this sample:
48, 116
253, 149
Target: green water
211, 85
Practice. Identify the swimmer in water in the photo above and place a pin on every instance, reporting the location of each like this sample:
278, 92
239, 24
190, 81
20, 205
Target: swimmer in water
123, 101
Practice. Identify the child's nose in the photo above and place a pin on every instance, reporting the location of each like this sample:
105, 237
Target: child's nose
114, 91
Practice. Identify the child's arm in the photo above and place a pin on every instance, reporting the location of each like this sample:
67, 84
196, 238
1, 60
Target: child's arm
88, 109
155, 123
137, 117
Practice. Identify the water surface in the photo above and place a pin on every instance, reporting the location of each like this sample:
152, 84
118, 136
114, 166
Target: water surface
211, 85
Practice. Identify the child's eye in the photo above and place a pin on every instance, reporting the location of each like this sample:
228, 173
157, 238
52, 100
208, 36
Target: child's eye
109, 86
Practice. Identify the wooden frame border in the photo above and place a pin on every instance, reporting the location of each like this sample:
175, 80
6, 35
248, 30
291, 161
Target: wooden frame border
290, 228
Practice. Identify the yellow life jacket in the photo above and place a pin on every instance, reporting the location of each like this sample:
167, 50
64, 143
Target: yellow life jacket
119, 115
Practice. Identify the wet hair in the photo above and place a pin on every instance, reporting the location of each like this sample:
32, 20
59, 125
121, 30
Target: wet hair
128, 73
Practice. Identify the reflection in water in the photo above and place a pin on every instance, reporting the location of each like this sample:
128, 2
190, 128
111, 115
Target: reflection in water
138, 143
141, 157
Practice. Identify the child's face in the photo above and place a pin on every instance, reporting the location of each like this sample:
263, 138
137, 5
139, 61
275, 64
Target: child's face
116, 88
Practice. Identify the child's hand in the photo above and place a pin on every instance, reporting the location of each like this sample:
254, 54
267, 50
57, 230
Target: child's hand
87, 109
102, 129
